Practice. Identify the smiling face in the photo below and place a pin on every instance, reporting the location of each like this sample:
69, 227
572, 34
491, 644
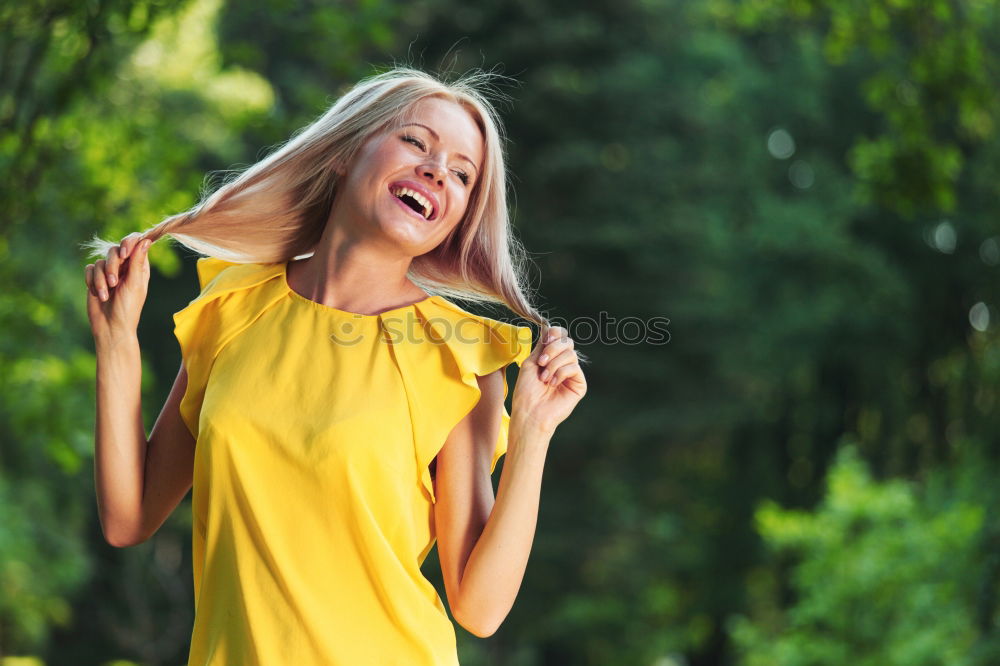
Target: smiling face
412, 185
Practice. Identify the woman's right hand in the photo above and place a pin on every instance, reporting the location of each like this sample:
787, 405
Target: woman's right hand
116, 288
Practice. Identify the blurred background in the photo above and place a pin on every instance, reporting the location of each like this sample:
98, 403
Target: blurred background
805, 474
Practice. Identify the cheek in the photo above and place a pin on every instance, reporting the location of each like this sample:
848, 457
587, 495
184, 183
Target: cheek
462, 199
458, 214
394, 152
381, 155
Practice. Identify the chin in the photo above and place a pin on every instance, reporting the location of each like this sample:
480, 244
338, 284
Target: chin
408, 238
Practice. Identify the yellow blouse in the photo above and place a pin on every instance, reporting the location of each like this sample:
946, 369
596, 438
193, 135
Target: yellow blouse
312, 499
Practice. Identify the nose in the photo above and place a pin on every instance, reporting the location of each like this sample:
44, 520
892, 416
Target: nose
434, 172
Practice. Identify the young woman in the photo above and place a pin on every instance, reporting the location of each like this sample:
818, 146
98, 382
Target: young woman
334, 412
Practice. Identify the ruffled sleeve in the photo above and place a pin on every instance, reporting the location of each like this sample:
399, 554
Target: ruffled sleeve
440, 369
225, 306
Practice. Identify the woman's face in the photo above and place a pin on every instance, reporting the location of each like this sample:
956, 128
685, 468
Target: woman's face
412, 185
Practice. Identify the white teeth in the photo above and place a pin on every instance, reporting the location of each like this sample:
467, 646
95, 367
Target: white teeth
428, 209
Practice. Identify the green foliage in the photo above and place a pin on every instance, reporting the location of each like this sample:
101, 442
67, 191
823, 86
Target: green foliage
21, 661
106, 107
879, 576
29, 601
772, 176
932, 68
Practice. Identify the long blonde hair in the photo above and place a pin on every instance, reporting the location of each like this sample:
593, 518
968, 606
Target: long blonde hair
276, 209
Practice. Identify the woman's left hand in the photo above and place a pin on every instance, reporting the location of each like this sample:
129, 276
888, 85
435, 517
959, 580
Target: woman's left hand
550, 382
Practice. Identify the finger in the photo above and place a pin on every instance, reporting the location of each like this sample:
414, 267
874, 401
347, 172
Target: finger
536, 351
570, 376
88, 273
138, 265
100, 282
112, 265
552, 367
546, 336
555, 348
128, 244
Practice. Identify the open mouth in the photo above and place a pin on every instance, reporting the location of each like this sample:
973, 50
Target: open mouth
414, 201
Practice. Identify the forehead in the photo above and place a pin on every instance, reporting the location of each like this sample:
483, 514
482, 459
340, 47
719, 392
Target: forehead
454, 125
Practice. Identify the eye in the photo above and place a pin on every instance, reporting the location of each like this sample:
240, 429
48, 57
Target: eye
464, 177
414, 140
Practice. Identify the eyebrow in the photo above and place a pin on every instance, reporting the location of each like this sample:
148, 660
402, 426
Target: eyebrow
438, 138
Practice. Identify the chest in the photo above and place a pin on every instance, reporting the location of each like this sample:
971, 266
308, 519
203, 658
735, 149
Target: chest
289, 396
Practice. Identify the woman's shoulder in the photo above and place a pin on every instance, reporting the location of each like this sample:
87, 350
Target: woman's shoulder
209, 267
236, 287
475, 336
224, 274
449, 310
232, 295
443, 370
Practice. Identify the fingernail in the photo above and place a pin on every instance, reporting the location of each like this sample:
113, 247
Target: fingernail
104, 294
545, 375
112, 280
544, 358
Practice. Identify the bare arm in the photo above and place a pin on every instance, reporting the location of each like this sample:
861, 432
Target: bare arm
496, 566
139, 482
484, 544
464, 491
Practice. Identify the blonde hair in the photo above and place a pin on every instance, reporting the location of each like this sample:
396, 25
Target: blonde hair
276, 209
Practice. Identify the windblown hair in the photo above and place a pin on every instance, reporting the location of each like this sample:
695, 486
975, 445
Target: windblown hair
276, 209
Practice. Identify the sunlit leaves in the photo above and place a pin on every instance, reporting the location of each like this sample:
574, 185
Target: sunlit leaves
877, 576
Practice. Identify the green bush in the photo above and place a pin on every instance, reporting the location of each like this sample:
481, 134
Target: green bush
879, 576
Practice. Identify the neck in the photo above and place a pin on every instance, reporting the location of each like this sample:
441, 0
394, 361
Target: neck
353, 275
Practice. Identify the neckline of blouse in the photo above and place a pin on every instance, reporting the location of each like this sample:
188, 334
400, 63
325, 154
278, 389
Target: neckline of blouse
343, 313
